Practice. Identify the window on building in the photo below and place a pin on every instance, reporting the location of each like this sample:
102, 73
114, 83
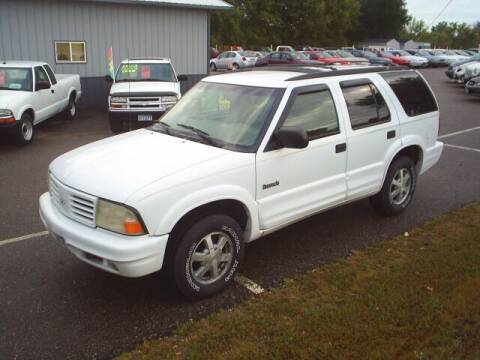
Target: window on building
70, 52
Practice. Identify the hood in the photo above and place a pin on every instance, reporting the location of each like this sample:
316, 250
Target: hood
8, 98
116, 167
145, 86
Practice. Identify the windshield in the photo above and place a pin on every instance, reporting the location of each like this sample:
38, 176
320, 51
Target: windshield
248, 53
145, 72
324, 54
230, 116
333, 53
18, 79
402, 53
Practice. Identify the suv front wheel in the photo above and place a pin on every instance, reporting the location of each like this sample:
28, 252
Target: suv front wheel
398, 188
208, 256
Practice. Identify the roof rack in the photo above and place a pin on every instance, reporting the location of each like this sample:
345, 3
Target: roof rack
350, 71
313, 71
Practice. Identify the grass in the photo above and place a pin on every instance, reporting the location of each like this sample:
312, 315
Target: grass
412, 297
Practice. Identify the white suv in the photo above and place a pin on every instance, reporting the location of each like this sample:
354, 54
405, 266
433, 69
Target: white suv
241, 156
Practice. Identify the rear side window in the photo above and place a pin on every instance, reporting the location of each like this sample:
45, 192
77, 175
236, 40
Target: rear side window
315, 113
412, 92
50, 73
365, 104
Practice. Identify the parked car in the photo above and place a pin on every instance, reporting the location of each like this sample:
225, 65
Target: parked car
142, 91
373, 58
413, 61
324, 58
284, 58
396, 59
472, 70
459, 72
30, 93
452, 67
233, 60
343, 54
473, 86
241, 156
435, 58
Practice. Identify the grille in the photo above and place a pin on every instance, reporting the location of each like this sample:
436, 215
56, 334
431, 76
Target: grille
72, 203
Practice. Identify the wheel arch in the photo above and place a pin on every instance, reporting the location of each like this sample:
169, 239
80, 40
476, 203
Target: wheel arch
27, 110
232, 207
412, 150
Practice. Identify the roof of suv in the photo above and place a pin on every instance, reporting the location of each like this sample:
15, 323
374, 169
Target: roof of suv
280, 76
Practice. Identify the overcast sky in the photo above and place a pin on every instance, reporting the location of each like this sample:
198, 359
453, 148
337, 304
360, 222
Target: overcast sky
459, 10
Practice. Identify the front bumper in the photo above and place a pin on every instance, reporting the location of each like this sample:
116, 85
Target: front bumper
122, 255
132, 116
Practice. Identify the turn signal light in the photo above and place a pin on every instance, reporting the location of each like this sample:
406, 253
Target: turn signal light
132, 227
7, 120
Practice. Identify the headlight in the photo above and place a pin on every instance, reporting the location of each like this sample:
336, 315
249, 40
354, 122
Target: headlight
119, 219
6, 116
118, 100
169, 99
5, 113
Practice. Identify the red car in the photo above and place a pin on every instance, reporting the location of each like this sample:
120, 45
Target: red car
397, 60
325, 58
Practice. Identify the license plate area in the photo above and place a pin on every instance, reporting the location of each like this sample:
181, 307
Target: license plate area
145, 117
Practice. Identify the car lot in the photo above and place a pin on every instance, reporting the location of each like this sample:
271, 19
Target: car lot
52, 305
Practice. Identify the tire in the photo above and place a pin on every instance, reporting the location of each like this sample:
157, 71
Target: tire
213, 67
195, 278
235, 67
71, 110
385, 202
116, 126
24, 131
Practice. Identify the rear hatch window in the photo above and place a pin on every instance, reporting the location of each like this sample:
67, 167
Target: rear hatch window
412, 92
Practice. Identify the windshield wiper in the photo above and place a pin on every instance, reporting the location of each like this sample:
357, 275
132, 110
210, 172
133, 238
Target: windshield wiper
200, 133
166, 127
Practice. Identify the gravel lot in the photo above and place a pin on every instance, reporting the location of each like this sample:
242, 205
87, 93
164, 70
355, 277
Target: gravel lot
54, 306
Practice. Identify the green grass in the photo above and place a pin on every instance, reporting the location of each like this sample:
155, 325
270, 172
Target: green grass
415, 297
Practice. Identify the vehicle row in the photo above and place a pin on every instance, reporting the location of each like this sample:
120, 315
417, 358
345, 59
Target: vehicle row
467, 73
284, 54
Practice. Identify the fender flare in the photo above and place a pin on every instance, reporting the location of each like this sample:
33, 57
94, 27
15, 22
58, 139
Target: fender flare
398, 146
23, 109
209, 195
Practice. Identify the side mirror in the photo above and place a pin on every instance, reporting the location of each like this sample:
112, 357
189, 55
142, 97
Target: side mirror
292, 137
43, 85
108, 79
182, 77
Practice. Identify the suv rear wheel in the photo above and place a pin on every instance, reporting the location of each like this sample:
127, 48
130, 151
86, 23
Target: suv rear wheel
398, 188
208, 256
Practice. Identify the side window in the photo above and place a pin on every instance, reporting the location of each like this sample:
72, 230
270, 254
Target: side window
315, 113
412, 92
275, 56
51, 75
40, 76
366, 106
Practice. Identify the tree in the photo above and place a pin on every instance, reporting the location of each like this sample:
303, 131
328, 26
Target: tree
265, 22
381, 19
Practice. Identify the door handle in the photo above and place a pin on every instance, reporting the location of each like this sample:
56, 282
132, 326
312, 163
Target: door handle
341, 148
391, 134
53, 91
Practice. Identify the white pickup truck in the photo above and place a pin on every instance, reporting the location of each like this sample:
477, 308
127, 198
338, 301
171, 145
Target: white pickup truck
241, 156
142, 91
30, 93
